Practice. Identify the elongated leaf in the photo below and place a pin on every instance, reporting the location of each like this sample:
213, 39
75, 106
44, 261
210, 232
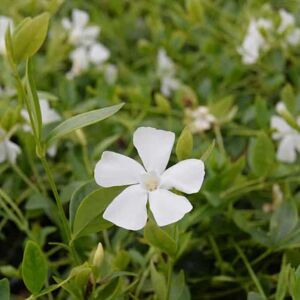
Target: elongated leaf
160, 239
34, 267
4, 289
82, 120
159, 283
88, 217
184, 146
29, 37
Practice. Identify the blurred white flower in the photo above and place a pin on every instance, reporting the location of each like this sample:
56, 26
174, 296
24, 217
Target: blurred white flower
288, 24
149, 182
254, 42
8, 150
49, 115
4, 23
79, 33
80, 62
166, 73
199, 119
110, 73
288, 137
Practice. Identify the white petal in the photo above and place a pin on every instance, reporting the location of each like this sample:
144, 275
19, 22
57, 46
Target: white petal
49, 115
128, 210
90, 35
66, 23
52, 150
286, 151
281, 126
154, 147
114, 169
186, 176
168, 207
13, 150
80, 18
98, 54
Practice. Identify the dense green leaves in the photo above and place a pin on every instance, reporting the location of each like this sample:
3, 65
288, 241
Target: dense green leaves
82, 120
34, 267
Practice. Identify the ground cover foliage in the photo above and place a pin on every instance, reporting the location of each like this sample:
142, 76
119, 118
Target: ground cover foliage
79, 77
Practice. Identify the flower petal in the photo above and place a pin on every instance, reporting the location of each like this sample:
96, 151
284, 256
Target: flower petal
80, 18
114, 169
128, 210
186, 176
12, 151
286, 151
168, 207
98, 54
154, 147
281, 126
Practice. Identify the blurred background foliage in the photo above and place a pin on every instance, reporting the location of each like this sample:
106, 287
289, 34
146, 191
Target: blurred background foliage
238, 242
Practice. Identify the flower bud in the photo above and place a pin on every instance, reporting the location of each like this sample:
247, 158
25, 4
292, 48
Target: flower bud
98, 256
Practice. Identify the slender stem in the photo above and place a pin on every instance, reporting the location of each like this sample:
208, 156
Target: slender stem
250, 271
169, 280
219, 139
61, 213
216, 251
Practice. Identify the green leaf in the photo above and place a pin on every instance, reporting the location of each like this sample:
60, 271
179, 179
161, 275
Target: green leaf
288, 212
82, 120
162, 103
178, 287
254, 296
88, 217
78, 195
288, 97
208, 151
222, 107
262, 113
30, 36
283, 279
195, 10
9, 48
159, 283
160, 239
34, 267
4, 289
261, 155
184, 145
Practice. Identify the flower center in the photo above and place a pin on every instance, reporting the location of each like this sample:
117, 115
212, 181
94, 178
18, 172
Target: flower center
150, 181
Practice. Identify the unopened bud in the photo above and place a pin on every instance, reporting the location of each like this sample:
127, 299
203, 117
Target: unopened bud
98, 256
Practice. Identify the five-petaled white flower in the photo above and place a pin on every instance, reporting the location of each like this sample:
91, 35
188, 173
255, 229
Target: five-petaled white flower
49, 115
289, 138
166, 73
8, 150
199, 119
4, 23
151, 182
254, 42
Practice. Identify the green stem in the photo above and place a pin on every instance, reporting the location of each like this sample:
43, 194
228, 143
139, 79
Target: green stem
169, 279
250, 271
61, 213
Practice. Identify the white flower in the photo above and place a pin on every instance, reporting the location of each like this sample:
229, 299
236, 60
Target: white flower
199, 119
4, 23
79, 33
287, 21
8, 150
254, 41
49, 115
80, 62
98, 54
294, 37
166, 73
151, 182
288, 137
110, 74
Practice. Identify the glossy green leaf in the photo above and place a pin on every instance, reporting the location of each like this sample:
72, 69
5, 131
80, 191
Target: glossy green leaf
184, 146
34, 267
262, 114
4, 289
88, 217
160, 239
82, 120
30, 36
288, 97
